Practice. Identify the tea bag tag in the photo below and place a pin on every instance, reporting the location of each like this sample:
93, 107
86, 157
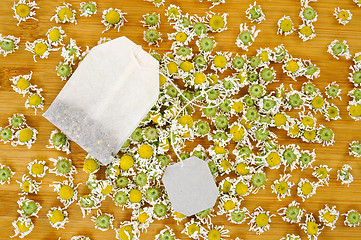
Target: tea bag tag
190, 186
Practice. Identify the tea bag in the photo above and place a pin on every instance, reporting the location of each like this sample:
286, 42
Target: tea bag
190, 186
107, 97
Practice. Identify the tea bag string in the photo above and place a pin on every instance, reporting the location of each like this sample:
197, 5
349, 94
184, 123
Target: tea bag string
182, 109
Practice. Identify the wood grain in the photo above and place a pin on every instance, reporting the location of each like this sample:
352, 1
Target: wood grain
88, 31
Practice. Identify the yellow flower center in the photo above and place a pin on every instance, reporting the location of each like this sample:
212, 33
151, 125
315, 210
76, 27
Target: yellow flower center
321, 172
358, 58
156, 118
306, 31
162, 80
332, 112
220, 61
343, 15
219, 150
126, 162
264, 56
226, 186
310, 135
229, 205
191, 229
172, 67
312, 228
56, 216
66, 192
214, 234
22, 226
143, 217
286, 25
22, 10
112, 17
294, 130
25, 135
241, 189
242, 168
54, 35
329, 217
308, 122
216, 22
65, 14
90, 165
26, 186
292, 66
179, 215
280, 119
135, 196
186, 120
37, 169
199, 78
173, 12
186, 66
273, 159
246, 124
23, 84
355, 110
125, 232
145, 151
40, 48
225, 165
306, 188
262, 220
281, 187
108, 189
35, 100
237, 106
318, 102
213, 79
181, 37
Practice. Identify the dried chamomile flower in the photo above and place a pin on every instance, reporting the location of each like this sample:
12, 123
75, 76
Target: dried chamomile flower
206, 44
326, 135
355, 76
306, 32
17, 121
255, 13
28, 207
205, 216
285, 26
127, 230
355, 149
91, 165
59, 141
64, 14
217, 22
246, 36
292, 213
317, 103
6, 134
293, 67
280, 53
103, 189
88, 9
238, 215
120, 198
113, 18
177, 216
67, 192
357, 59
306, 189
35, 100
87, 203
344, 175
214, 232
282, 187
63, 167
103, 221
329, 216
28, 185
71, 52
151, 20
152, 36
173, 12
291, 237
311, 70
338, 49
308, 14
342, 16
39, 48
143, 217
166, 233
306, 159
227, 204
192, 229
25, 136
260, 220
37, 168
311, 227
5, 174
22, 226
332, 112
354, 110
135, 197
55, 35
355, 94
352, 218
322, 173
24, 10
57, 217
8, 44
220, 61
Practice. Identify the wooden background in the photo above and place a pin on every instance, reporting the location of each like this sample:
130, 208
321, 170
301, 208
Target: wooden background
88, 31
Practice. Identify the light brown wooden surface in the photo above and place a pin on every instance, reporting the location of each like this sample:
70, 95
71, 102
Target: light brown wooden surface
88, 31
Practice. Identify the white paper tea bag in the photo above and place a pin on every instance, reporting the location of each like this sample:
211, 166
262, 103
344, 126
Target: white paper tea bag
106, 98
190, 186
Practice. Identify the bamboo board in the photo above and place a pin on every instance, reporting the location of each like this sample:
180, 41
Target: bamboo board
89, 30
